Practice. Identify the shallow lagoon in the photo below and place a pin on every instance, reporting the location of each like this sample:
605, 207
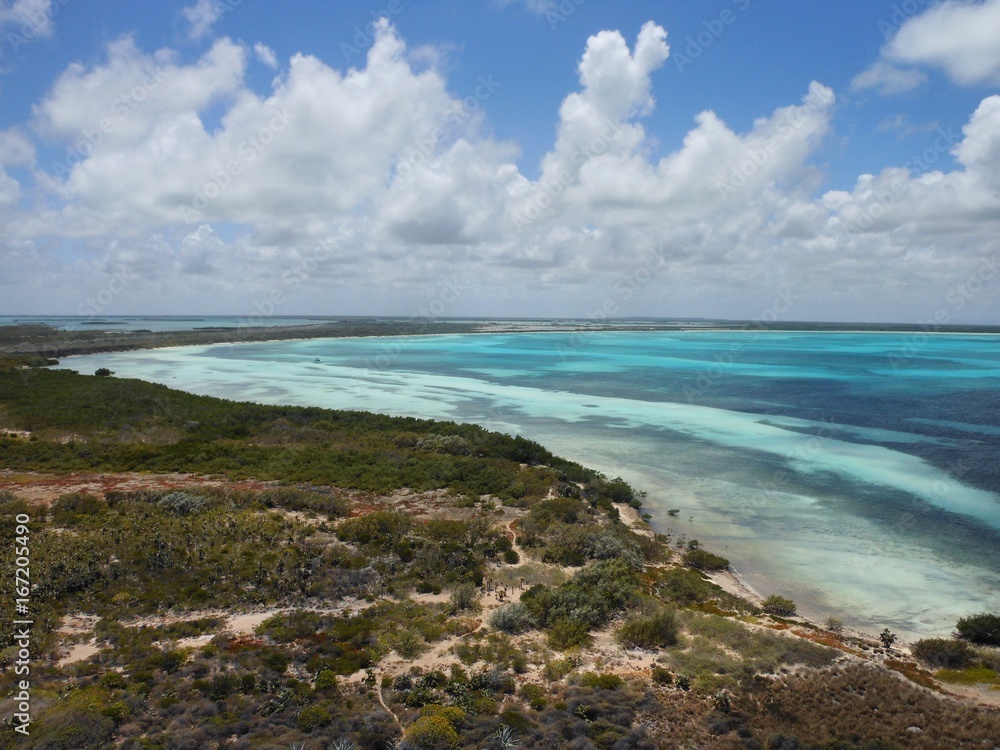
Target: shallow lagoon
855, 472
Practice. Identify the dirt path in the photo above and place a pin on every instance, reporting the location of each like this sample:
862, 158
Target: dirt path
381, 702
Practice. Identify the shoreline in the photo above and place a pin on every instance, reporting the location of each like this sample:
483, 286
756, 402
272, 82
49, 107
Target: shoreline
730, 581
70, 342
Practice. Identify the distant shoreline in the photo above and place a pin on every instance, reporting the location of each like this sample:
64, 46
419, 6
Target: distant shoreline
35, 342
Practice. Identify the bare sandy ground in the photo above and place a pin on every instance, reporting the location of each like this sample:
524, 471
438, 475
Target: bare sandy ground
44, 488
79, 643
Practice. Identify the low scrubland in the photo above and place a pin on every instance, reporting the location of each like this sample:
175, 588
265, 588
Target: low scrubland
403, 583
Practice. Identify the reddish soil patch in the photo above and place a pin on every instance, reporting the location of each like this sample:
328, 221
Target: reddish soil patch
45, 488
914, 674
825, 639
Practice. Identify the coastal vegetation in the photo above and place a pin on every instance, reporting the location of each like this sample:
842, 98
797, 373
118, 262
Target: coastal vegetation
217, 574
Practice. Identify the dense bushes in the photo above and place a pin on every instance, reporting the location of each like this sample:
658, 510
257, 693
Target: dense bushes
686, 587
432, 733
983, 629
383, 529
650, 630
130, 425
700, 559
944, 653
77, 507
183, 503
778, 605
512, 618
591, 597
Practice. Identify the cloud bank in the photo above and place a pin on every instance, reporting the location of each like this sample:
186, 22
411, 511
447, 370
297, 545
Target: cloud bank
370, 190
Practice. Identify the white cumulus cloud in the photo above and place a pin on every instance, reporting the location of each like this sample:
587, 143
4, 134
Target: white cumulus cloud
202, 16
959, 37
265, 55
365, 190
27, 18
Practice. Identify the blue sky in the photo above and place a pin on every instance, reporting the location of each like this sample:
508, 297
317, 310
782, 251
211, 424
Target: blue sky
841, 156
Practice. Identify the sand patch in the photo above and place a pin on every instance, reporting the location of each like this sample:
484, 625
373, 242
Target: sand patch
730, 582
79, 652
633, 520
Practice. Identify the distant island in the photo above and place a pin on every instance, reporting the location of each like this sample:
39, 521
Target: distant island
35, 343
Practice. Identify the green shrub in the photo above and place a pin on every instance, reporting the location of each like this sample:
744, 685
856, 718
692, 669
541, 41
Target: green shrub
326, 680
112, 681
945, 653
983, 629
601, 681
534, 695
286, 627
687, 587
183, 503
452, 714
512, 618
778, 605
407, 644
117, 711
432, 733
591, 597
662, 676
465, 598
311, 718
700, 559
514, 719
383, 529
68, 510
657, 629
557, 669
565, 634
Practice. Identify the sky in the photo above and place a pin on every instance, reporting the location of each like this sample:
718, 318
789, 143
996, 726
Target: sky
744, 159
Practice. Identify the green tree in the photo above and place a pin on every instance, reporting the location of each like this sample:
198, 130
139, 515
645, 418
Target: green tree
778, 605
887, 637
983, 629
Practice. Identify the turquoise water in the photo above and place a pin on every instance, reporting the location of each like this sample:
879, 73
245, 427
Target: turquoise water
855, 472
